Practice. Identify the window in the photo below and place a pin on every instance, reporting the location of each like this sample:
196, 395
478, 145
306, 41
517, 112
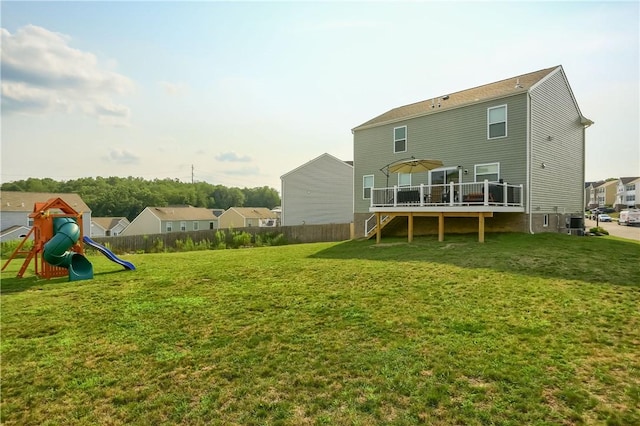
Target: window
183, 226
196, 225
210, 225
497, 122
545, 220
631, 198
490, 172
169, 226
400, 139
404, 179
367, 185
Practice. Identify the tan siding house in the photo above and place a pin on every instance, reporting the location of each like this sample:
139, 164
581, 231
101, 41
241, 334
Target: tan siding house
244, 217
160, 220
108, 226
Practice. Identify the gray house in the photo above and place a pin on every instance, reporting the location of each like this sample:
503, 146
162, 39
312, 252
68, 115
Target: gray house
512, 156
318, 192
160, 220
16, 206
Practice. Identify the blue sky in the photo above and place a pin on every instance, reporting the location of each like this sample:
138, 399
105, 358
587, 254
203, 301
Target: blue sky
247, 91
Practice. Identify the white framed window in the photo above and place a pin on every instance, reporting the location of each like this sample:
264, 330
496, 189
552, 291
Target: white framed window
497, 122
400, 139
545, 220
183, 226
490, 172
196, 225
367, 186
169, 227
404, 179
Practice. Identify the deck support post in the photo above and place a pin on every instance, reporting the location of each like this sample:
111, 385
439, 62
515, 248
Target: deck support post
481, 227
441, 227
378, 230
410, 230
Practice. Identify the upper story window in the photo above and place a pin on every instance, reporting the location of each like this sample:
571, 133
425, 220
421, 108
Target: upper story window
404, 179
497, 122
400, 139
490, 172
367, 185
631, 187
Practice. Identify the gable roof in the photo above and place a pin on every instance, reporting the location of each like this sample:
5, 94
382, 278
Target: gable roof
16, 201
499, 89
254, 212
325, 155
626, 180
182, 213
108, 222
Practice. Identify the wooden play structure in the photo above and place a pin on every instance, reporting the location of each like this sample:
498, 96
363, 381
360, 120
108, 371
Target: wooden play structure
57, 250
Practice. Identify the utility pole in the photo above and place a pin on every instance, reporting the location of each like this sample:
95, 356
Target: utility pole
192, 181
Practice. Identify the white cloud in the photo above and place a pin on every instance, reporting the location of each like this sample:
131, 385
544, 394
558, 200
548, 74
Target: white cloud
122, 157
174, 89
233, 157
41, 73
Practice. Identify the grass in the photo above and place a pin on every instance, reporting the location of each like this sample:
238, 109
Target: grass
523, 329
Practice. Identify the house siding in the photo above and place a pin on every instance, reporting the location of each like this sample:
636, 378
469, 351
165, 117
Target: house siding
145, 223
457, 136
559, 186
319, 192
231, 219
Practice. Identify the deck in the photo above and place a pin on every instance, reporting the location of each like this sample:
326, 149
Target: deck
473, 199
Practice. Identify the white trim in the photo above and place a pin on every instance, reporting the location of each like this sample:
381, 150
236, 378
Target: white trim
406, 139
506, 122
475, 171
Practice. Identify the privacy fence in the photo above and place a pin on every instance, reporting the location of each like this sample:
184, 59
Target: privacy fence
281, 234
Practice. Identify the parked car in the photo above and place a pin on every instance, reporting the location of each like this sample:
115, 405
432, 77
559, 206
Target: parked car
603, 217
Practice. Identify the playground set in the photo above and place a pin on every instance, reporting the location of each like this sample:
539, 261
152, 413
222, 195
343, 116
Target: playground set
58, 244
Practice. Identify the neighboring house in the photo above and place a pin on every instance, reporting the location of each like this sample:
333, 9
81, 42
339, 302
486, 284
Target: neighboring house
627, 193
318, 192
15, 208
512, 153
602, 193
245, 217
587, 194
108, 226
161, 220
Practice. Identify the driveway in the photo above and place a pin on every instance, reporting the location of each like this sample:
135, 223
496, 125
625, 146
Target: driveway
629, 232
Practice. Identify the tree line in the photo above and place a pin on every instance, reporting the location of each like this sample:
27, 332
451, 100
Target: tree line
117, 196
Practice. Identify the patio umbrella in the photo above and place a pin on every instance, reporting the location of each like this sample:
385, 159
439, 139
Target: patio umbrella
414, 165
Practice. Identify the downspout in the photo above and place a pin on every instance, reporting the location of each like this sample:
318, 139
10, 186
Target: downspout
528, 210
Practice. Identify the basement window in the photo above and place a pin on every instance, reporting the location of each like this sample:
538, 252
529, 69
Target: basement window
545, 220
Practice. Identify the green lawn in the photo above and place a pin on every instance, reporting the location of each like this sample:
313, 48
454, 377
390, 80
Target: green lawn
524, 329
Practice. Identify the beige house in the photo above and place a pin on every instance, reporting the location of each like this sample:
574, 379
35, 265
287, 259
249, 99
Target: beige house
245, 217
108, 226
161, 220
16, 206
602, 193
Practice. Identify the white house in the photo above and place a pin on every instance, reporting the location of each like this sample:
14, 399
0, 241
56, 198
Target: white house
16, 206
318, 192
108, 226
627, 193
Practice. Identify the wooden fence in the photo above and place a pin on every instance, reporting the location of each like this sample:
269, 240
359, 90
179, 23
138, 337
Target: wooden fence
291, 234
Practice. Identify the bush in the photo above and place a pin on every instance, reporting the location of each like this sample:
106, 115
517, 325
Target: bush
8, 247
598, 230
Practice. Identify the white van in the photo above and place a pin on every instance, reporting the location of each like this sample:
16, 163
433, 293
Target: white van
629, 217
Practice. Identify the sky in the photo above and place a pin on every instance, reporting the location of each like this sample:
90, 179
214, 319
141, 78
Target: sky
240, 93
